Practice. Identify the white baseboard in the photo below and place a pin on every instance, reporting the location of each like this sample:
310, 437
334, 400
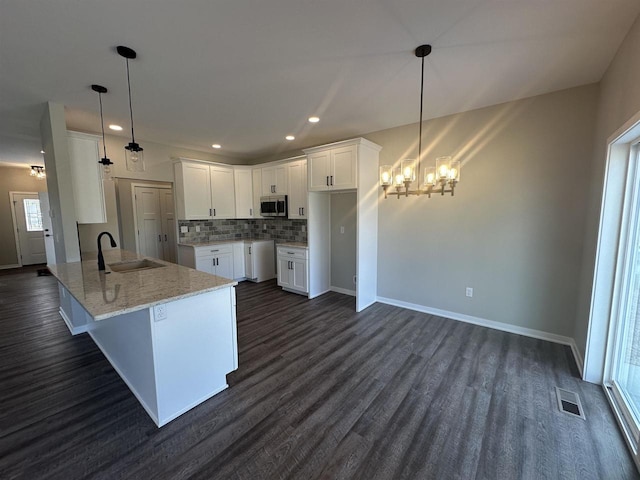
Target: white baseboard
72, 329
7, 267
505, 327
343, 290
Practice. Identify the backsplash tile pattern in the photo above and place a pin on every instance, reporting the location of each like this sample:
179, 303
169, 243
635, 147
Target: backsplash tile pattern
279, 229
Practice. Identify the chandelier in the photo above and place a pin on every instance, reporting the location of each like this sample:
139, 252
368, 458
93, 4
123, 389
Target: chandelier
38, 172
441, 178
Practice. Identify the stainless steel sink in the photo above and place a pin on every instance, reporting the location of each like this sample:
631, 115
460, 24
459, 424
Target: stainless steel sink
134, 266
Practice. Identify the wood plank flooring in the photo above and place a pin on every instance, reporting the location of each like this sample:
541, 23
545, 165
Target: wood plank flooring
321, 392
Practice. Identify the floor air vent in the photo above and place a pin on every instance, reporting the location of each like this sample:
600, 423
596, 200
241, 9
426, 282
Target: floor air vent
569, 402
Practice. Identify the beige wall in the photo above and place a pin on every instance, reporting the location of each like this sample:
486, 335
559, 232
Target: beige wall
13, 179
619, 100
343, 245
514, 229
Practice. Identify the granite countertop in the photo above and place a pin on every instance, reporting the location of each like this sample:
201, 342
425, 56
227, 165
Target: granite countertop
293, 244
107, 294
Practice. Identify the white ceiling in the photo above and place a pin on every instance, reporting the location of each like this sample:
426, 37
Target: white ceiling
245, 73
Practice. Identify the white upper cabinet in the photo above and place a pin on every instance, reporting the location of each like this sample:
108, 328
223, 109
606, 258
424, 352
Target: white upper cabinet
243, 182
86, 178
274, 180
223, 203
333, 167
204, 191
297, 172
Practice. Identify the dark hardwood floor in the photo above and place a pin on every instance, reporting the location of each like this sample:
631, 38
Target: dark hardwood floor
321, 392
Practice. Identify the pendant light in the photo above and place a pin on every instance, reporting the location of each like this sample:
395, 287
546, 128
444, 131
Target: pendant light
439, 179
38, 172
133, 151
104, 161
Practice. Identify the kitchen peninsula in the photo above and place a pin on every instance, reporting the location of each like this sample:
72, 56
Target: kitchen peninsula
169, 331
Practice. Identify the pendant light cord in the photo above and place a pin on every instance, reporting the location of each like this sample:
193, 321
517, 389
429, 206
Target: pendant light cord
104, 144
133, 138
420, 134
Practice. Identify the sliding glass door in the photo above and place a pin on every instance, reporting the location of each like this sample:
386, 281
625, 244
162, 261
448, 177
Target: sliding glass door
623, 362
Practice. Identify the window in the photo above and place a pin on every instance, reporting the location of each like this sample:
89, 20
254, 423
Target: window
33, 215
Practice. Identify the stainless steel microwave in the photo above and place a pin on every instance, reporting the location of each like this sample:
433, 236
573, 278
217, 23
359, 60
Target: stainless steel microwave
273, 206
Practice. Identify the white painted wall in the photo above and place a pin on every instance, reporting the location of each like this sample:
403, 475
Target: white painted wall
53, 132
619, 100
514, 229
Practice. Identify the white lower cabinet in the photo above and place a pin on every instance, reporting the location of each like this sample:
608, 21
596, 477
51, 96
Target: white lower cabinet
293, 269
250, 259
213, 259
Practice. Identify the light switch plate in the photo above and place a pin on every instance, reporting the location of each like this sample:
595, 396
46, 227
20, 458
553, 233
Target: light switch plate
184, 229
197, 228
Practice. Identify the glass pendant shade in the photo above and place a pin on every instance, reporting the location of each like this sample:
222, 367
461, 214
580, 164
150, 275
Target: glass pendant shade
443, 165
386, 175
409, 170
454, 171
430, 179
399, 178
135, 157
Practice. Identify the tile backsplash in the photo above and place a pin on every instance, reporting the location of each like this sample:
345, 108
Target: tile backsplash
279, 229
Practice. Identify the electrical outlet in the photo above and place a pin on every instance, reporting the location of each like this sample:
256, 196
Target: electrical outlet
160, 312
341, 229
469, 292
264, 226
184, 229
304, 229
197, 228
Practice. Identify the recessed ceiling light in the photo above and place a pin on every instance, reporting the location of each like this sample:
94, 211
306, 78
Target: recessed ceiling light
42, 151
117, 128
216, 145
314, 119
290, 137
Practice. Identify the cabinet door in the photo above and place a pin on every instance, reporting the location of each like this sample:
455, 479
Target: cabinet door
204, 263
319, 164
224, 265
244, 192
86, 178
257, 191
268, 181
298, 189
343, 168
282, 183
195, 190
299, 275
222, 193
248, 261
284, 272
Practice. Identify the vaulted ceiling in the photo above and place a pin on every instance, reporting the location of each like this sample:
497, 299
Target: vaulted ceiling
245, 73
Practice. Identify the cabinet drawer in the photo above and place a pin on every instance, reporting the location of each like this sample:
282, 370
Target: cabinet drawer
291, 252
214, 250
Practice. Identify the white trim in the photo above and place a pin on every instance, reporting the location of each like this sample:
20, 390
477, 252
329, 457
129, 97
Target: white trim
624, 428
7, 267
505, 327
577, 357
343, 291
72, 329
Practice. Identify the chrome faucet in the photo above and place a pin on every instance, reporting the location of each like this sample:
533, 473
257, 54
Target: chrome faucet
100, 257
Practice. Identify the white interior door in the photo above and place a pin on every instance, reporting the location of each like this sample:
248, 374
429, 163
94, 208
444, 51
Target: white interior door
168, 224
49, 244
28, 217
149, 222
